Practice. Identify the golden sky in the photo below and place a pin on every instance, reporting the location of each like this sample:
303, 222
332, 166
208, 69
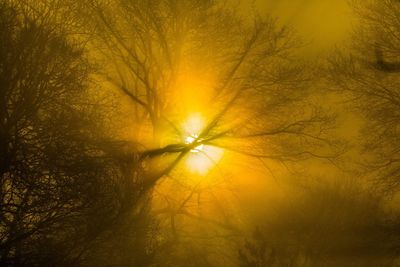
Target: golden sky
323, 22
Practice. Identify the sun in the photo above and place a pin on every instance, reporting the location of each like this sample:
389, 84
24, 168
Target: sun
194, 138
202, 157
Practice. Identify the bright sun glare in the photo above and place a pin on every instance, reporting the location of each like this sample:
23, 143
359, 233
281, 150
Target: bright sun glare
193, 138
202, 157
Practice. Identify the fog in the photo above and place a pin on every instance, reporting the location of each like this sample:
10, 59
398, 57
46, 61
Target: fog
199, 133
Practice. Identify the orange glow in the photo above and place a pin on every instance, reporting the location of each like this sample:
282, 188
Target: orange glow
203, 157
193, 126
204, 160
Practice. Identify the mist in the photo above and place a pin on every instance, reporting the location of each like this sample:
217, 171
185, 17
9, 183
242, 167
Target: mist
199, 133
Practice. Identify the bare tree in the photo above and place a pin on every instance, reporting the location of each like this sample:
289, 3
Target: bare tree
369, 77
66, 185
146, 47
62, 186
148, 43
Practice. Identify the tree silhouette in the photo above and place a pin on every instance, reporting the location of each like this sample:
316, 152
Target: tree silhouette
369, 78
71, 194
62, 186
147, 47
147, 44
